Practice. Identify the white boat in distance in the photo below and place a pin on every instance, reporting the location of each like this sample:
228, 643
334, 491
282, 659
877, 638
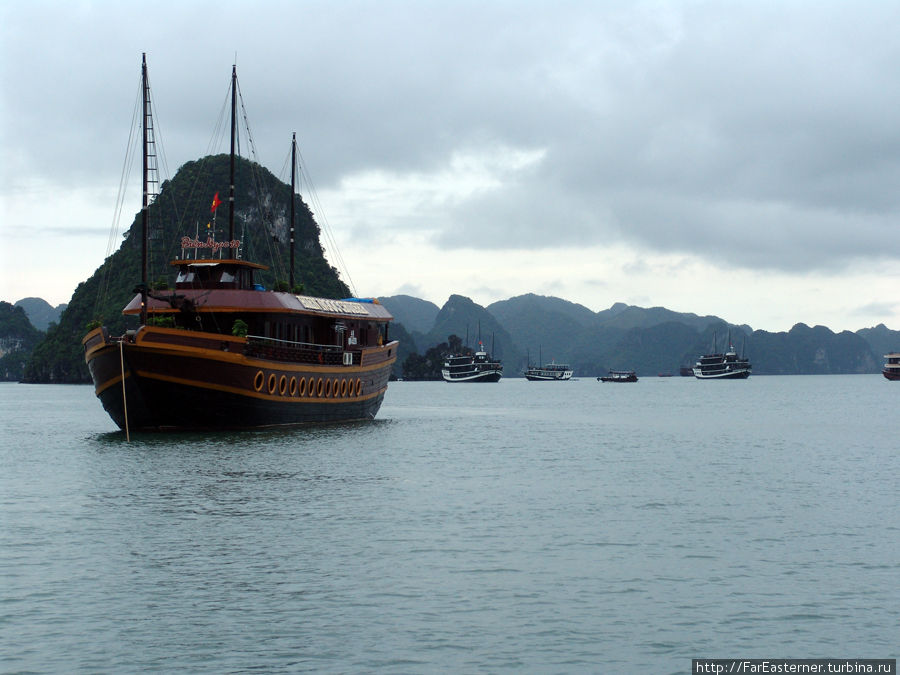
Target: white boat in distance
477, 367
549, 372
722, 366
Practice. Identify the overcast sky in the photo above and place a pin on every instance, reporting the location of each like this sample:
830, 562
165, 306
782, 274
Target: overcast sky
732, 158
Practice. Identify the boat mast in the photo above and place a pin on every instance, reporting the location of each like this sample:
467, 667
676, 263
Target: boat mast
146, 177
233, 126
293, 167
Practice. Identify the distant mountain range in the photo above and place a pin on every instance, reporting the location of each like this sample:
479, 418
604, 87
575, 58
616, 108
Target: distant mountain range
40, 312
532, 328
18, 338
652, 341
22, 327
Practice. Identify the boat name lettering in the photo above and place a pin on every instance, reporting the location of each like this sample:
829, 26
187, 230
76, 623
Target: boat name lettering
337, 306
187, 242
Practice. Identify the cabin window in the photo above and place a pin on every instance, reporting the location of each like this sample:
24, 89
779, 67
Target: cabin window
185, 277
227, 277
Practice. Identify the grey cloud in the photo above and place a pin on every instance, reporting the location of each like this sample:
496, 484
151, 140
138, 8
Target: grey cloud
755, 135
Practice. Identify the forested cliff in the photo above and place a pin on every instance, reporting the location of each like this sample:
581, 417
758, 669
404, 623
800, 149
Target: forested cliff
182, 208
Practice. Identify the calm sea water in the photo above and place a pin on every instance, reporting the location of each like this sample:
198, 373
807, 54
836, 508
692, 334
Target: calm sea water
574, 527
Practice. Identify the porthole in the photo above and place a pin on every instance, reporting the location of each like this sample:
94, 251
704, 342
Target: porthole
272, 382
258, 380
282, 385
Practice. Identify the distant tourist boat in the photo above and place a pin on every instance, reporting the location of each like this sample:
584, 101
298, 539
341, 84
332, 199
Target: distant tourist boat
549, 372
477, 367
722, 366
892, 366
619, 376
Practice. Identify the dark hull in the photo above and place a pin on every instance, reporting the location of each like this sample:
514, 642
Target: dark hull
735, 375
491, 376
160, 406
892, 375
178, 386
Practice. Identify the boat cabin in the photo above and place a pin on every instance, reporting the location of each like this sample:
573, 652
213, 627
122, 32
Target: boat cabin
217, 274
222, 297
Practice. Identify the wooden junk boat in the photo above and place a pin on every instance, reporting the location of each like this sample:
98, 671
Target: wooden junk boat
235, 355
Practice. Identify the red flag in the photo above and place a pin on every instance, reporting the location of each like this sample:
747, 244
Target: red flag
215, 203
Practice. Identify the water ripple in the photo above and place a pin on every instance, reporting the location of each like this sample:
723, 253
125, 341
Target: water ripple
511, 528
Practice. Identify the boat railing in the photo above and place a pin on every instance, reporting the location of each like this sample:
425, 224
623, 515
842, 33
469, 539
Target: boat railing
299, 352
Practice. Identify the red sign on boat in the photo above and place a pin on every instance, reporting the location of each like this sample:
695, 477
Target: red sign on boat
187, 242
